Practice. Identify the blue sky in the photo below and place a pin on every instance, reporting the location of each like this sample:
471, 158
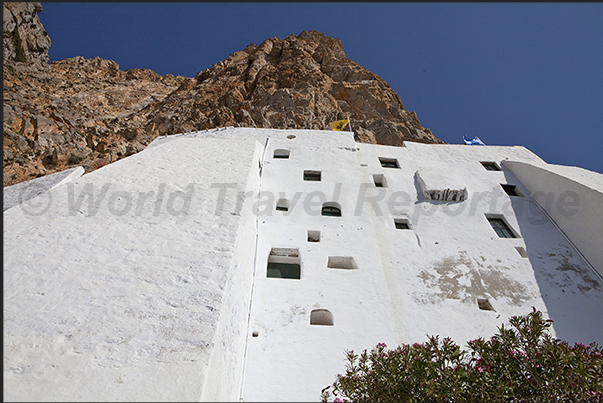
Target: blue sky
526, 74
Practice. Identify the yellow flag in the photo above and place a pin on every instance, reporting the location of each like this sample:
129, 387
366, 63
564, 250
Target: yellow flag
339, 125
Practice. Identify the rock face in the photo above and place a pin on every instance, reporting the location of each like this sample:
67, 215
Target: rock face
302, 81
74, 112
25, 39
88, 112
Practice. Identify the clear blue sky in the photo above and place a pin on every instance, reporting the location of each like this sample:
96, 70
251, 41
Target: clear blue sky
526, 74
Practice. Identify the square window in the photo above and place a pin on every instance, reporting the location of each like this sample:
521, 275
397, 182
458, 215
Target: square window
501, 228
283, 154
511, 190
490, 166
284, 263
282, 205
389, 162
331, 209
312, 176
401, 223
484, 304
342, 262
521, 251
313, 236
379, 181
283, 270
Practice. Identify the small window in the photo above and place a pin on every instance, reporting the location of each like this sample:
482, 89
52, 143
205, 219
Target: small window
313, 236
490, 166
283, 154
282, 205
521, 251
312, 176
321, 317
331, 209
484, 304
389, 162
379, 181
500, 226
284, 263
401, 223
511, 190
342, 262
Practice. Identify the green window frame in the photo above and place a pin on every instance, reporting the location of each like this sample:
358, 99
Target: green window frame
501, 228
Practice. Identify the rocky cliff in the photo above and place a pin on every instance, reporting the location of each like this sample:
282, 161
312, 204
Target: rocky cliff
88, 112
25, 39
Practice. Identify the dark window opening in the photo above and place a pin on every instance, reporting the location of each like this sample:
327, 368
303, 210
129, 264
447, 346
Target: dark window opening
484, 304
321, 317
313, 236
379, 181
389, 162
501, 228
490, 166
511, 190
401, 223
281, 154
283, 270
312, 176
282, 205
331, 210
284, 263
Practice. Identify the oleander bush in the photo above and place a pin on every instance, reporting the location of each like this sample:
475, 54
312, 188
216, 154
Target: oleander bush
522, 362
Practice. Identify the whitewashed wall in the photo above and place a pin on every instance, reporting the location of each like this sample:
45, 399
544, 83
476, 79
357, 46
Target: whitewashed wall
149, 304
573, 197
125, 305
409, 283
223, 382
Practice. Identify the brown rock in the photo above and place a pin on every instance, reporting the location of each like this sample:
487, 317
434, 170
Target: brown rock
302, 81
60, 155
133, 133
47, 133
25, 40
89, 112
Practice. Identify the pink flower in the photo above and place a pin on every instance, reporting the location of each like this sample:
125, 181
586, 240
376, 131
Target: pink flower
337, 400
479, 368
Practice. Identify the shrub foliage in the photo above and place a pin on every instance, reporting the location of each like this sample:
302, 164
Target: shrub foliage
522, 362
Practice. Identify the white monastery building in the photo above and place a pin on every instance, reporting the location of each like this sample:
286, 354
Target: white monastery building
238, 264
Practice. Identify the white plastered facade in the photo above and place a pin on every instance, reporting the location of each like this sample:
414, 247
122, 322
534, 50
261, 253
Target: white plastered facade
164, 301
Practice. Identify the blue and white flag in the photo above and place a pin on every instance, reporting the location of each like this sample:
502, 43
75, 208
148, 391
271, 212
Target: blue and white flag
475, 140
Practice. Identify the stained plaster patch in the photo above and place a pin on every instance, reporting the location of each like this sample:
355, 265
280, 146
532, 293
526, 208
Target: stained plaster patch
568, 275
457, 277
